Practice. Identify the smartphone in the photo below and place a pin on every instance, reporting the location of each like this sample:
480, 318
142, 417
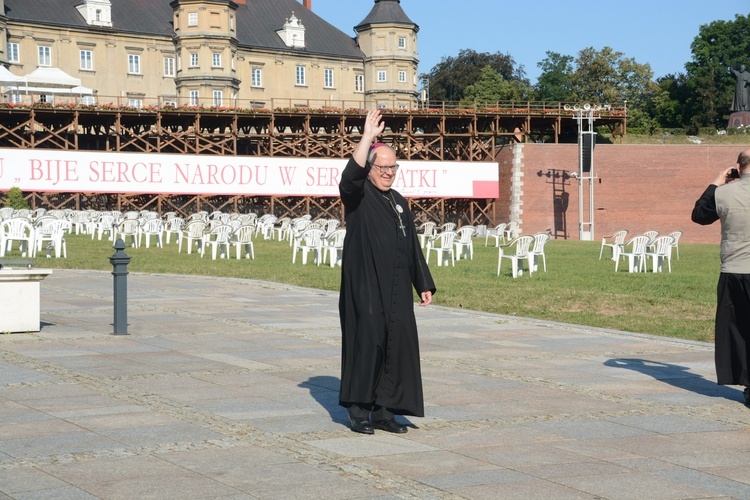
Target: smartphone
734, 173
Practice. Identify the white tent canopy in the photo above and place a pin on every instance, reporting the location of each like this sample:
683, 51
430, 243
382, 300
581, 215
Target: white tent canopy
8, 78
42, 81
51, 78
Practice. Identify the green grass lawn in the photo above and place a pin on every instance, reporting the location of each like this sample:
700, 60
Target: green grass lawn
577, 287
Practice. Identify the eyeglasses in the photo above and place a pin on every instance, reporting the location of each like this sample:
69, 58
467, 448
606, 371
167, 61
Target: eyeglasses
386, 168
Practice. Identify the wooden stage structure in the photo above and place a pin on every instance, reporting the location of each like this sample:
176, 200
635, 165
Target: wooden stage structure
442, 133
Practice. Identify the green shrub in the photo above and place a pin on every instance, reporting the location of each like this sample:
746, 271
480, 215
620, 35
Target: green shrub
707, 131
16, 200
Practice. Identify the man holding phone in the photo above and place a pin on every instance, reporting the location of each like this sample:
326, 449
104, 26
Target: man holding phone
727, 199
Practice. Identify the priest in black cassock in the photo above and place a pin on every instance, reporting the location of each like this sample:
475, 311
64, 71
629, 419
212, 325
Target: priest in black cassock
382, 260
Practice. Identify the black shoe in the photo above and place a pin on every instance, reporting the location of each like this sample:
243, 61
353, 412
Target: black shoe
362, 425
389, 425
747, 396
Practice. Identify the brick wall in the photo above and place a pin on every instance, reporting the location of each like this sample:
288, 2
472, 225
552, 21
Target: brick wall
639, 187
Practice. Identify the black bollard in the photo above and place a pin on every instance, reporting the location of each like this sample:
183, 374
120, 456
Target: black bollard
120, 262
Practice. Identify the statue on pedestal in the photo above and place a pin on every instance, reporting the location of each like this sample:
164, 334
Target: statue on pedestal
741, 101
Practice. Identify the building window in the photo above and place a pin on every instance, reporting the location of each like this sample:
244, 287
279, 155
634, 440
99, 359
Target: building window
15, 98
231, 23
98, 15
216, 60
169, 66
402, 106
45, 55
257, 77
192, 19
382, 106
401, 42
88, 100
193, 59
300, 74
381, 75
218, 97
402, 76
13, 55
359, 83
194, 99
87, 60
134, 64
328, 78
135, 103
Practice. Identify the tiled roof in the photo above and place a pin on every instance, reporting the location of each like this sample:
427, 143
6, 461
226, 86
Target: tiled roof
386, 11
257, 22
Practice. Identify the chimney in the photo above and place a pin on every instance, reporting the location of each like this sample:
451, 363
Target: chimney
307, 4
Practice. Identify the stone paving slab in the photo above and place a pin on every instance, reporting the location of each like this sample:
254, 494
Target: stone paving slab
228, 388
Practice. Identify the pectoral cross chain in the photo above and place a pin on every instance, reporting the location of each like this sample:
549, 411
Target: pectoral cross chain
393, 205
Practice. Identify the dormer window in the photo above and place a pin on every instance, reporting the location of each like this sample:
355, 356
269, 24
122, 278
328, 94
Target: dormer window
96, 12
293, 33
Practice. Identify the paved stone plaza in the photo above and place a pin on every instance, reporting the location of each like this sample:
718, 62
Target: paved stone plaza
228, 388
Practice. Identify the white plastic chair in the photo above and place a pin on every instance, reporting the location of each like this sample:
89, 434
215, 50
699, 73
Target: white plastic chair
129, 227
442, 245
104, 224
676, 235
295, 229
427, 231
637, 254
281, 228
652, 235
464, 243
173, 225
510, 230
20, 230
497, 233
80, 221
615, 242
448, 226
661, 251
218, 239
6, 213
333, 246
311, 239
54, 234
149, 228
522, 245
537, 251
330, 226
191, 233
264, 226
242, 238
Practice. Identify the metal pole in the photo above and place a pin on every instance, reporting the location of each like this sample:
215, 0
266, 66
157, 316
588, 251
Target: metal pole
120, 262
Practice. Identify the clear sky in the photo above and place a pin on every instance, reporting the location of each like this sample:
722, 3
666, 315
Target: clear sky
658, 32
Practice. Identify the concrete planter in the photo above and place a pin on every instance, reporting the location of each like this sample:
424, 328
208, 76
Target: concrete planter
19, 299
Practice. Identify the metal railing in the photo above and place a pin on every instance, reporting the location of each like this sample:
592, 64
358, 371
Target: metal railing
293, 106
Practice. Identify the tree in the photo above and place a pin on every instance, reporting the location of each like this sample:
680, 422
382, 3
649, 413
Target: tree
447, 80
556, 81
719, 45
667, 105
492, 87
16, 200
606, 76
